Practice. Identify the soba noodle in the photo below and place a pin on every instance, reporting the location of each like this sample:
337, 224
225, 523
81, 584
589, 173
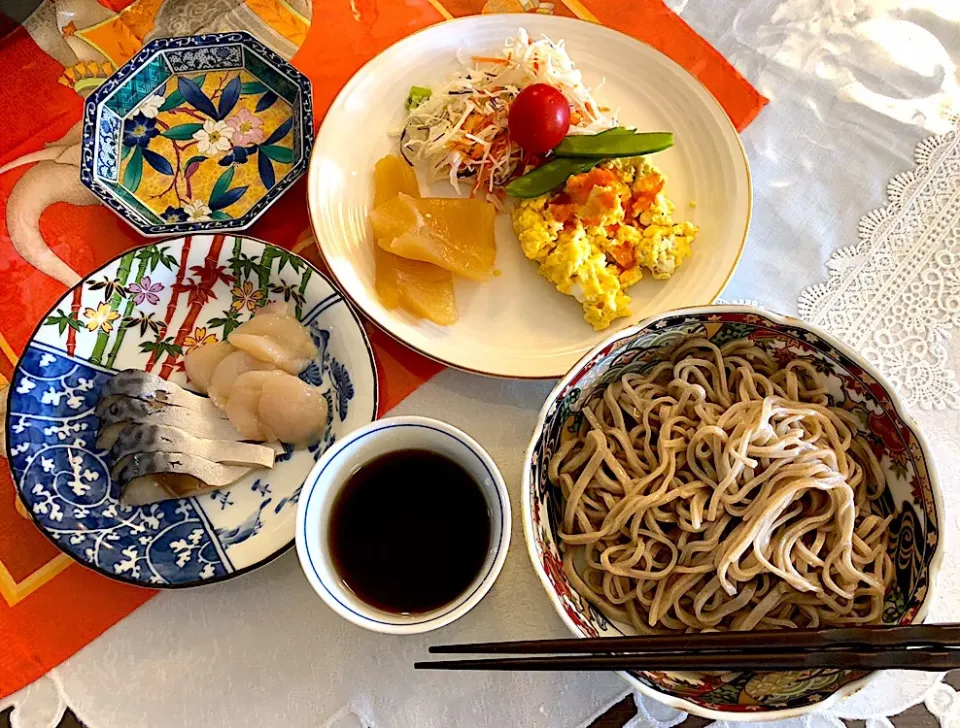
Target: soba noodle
720, 491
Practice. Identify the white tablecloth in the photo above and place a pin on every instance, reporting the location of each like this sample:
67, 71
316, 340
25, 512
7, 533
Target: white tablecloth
855, 85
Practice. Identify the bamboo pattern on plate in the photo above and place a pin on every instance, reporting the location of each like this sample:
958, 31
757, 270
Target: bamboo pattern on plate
134, 300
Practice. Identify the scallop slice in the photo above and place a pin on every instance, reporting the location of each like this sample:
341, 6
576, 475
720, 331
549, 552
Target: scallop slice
276, 336
233, 366
202, 361
280, 308
162, 438
275, 405
243, 405
293, 411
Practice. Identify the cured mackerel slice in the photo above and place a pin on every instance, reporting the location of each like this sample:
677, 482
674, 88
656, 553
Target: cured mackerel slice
151, 388
149, 477
123, 411
162, 438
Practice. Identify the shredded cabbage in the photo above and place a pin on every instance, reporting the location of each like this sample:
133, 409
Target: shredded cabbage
461, 130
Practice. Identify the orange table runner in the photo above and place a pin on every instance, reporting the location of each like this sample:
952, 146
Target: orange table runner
52, 231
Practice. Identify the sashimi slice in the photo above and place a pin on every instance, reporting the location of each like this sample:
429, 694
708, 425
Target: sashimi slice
278, 338
121, 412
151, 388
454, 234
243, 404
227, 372
163, 438
293, 411
201, 362
147, 489
197, 475
275, 405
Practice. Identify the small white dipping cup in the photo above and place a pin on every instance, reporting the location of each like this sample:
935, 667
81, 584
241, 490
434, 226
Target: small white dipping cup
332, 472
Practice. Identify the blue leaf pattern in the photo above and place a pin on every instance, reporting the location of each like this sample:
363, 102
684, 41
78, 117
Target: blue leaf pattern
229, 97
65, 484
279, 133
249, 527
344, 387
157, 162
312, 375
266, 101
286, 454
227, 198
265, 168
321, 338
195, 95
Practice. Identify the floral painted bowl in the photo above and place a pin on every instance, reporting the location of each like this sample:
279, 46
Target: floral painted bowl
146, 310
855, 385
201, 133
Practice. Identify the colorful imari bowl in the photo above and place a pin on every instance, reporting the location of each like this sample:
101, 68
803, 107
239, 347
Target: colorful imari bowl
912, 492
200, 133
146, 310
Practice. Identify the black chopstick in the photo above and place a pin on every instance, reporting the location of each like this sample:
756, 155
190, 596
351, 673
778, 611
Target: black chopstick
923, 659
919, 635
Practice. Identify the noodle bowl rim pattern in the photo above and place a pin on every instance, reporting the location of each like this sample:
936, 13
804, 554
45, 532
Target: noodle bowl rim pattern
462, 604
785, 700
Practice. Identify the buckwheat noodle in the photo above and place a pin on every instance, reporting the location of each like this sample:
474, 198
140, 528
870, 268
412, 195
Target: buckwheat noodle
721, 491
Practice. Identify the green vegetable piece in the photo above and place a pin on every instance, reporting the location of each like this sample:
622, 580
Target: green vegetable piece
549, 176
555, 172
417, 95
614, 145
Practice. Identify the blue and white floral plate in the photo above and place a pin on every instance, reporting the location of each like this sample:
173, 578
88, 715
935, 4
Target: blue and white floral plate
146, 310
197, 134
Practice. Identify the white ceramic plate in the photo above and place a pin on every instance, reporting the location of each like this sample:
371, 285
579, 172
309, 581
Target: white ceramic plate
517, 324
143, 310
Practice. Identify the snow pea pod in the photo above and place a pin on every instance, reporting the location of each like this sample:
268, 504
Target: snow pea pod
614, 145
549, 176
555, 172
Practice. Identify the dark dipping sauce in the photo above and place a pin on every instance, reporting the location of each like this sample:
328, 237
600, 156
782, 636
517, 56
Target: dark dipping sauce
409, 531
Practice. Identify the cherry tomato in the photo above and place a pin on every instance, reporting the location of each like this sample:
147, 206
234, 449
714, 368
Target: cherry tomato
539, 118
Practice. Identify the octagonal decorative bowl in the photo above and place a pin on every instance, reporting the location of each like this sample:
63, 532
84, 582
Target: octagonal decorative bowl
198, 133
912, 495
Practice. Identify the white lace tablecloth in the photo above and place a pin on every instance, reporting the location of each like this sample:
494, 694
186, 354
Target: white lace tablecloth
856, 172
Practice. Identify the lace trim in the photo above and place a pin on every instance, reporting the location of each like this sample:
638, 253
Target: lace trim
895, 296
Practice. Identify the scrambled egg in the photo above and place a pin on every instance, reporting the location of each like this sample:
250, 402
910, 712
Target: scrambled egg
593, 238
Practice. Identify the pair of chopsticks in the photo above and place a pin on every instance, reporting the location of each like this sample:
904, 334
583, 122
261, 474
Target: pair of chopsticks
925, 647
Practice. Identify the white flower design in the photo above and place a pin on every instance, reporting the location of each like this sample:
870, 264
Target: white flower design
213, 138
150, 106
197, 211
